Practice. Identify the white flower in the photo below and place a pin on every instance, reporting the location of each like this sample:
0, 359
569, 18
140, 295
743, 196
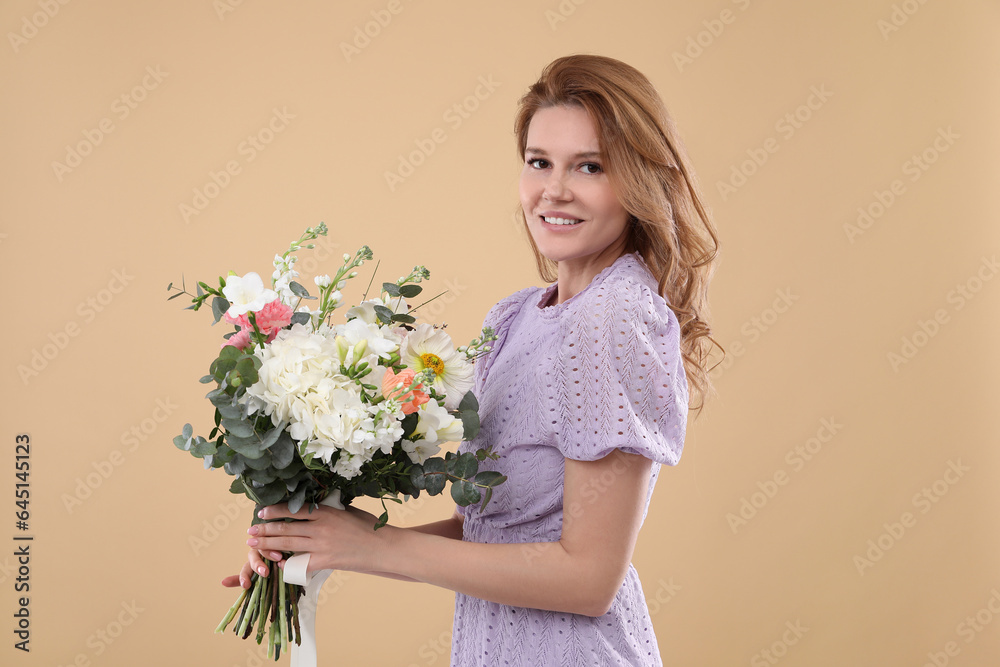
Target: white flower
366, 309
246, 294
427, 347
380, 342
436, 424
283, 276
323, 280
420, 451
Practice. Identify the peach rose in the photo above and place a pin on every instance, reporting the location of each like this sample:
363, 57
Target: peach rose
412, 399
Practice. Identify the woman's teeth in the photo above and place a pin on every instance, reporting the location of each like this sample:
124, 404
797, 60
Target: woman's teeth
560, 221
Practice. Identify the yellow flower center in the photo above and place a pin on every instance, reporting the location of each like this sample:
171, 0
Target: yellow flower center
433, 362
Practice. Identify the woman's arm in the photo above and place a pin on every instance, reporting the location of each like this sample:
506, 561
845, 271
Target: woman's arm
581, 573
603, 503
450, 528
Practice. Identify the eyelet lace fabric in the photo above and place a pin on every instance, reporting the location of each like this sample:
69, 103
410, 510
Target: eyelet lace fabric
575, 380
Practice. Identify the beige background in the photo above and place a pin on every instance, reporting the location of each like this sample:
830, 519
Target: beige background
132, 536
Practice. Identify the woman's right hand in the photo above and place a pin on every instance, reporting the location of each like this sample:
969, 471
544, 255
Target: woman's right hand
255, 563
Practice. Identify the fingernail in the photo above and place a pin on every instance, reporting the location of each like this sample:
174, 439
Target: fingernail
262, 570
252, 530
260, 514
275, 556
252, 542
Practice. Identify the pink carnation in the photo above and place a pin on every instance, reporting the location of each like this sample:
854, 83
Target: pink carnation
239, 340
273, 316
243, 322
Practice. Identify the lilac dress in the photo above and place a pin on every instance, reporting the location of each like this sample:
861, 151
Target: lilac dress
599, 371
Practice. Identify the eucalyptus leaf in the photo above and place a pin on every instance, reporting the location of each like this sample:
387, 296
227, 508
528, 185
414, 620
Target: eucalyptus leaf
187, 431
248, 447
282, 448
237, 486
410, 291
466, 465
297, 500
301, 318
434, 476
238, 427
469, 402
464, 493
470, 424
298, 290
490, 478
384, 314
404, 318
392, 289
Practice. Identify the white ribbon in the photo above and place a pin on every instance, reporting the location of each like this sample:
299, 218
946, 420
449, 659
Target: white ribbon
304, 654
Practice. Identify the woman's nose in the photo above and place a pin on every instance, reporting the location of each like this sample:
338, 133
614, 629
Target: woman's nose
555, 188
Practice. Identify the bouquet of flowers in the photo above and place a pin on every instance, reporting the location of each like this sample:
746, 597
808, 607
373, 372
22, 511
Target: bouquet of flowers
306, 408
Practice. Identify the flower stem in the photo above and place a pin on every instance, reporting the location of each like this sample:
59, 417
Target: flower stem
232, 611
254, 599
283, 613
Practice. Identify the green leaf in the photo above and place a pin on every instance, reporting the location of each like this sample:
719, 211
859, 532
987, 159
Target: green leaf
283, 447
487, 495
464, 493
202, 447
299, 290
187, 431
237, 486
470, 424
246, 368
175, 296
205, 379
384, 314
435, 476
297, 500
403, 317
391, 288
219, 307
237, 465
465, 465
238, 427
301, 318
469, 402
248, 447
410, 291
490, 478
182, 443
382, 520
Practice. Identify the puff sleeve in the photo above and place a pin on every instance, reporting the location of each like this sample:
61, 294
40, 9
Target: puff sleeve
617, 379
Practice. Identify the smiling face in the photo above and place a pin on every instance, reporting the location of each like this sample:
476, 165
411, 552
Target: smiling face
573, 213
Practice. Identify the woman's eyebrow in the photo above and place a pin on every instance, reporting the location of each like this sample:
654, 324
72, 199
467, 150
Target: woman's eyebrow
585, 154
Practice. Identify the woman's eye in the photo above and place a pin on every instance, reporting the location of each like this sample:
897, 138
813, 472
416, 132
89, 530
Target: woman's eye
536, 160
592, 165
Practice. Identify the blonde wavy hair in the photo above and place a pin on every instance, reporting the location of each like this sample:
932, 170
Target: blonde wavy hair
648, 168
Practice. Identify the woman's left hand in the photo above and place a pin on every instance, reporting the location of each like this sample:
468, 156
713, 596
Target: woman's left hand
334, 539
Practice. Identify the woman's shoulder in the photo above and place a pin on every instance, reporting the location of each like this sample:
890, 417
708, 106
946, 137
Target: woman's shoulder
508, 306
628, 291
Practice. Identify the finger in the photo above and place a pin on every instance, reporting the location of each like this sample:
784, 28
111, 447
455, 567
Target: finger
254, 564
282, 529
277, 544
231, 581
282, 512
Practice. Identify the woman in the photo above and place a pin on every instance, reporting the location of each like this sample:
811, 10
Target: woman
584, 394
